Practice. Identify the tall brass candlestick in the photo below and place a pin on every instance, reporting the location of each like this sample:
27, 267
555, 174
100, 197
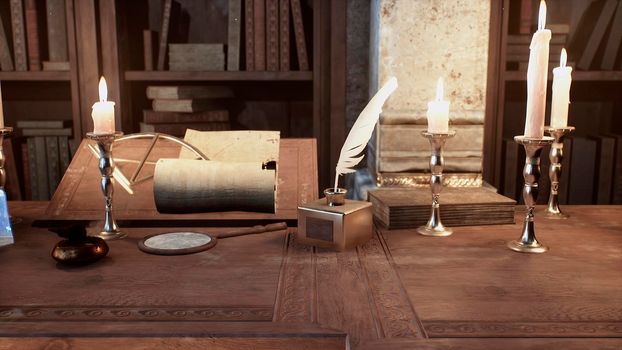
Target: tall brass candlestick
106, 167
528, 243
555, 171
435, 227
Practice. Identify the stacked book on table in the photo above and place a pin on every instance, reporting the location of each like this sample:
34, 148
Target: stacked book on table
400, 208
46, 155
177, 108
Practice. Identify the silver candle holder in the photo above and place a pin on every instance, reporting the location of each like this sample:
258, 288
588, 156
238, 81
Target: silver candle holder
435, 227
528, 243
106, 167
6, 229
555, 171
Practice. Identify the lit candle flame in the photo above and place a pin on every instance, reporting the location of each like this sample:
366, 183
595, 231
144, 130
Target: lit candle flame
563, 58
439, 89
542, 15
103, 90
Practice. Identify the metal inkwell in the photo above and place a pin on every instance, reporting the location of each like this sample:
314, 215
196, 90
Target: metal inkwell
77, 248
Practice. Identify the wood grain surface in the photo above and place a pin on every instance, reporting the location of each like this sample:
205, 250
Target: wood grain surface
398, 291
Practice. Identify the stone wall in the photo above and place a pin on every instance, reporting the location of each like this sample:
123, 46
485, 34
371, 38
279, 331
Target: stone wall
419, 41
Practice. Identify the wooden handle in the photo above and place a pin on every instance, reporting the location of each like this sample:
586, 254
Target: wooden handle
254, 230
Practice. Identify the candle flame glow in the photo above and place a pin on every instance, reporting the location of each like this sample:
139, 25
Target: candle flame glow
439, 89
542, 15
103, 90
563, 58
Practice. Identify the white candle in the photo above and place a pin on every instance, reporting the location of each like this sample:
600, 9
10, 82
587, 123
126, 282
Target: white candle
561, 93
438, 112
103, 111
537, 76
1, 110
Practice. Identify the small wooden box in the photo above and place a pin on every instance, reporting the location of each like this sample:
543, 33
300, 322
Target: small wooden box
335, 227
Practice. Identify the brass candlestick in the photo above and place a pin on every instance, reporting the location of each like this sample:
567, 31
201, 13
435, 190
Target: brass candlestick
528, 243
435, 227
106, 167
6, 229
555, 171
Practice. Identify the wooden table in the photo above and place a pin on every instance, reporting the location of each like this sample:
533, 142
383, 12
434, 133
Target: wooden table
399, 291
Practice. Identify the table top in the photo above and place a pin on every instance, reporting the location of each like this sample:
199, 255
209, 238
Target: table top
399, 291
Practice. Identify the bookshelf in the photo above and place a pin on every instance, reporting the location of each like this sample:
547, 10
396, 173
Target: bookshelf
595, 107
301, 103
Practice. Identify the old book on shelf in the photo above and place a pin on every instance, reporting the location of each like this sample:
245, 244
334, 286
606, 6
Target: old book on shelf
57, 31
284, 43
186, 105
56, 66
179, 129
26, 173
613, 43
398, 208
148, 49
603, 181
582, 169
164, 29
41, 164
53, 161
511, 168
42, 124
196, 57
272, 35
233, 35
6, 61
188, 92
19, 35
598, 35
249, 35
46, 132
32, 35
564, 182
154, 117
259, 31
64, 155
299, 36
32, 169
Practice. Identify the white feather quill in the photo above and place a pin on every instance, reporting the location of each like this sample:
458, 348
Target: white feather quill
362, 130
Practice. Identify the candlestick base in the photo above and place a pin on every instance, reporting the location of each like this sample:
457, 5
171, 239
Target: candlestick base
110, 230
555, 171
528, 243
435, 227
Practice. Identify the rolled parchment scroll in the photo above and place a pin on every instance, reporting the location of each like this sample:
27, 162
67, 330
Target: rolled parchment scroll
184, 186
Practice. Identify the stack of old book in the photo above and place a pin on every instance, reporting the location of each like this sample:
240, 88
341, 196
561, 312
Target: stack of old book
399, 208
177, 108
46, 155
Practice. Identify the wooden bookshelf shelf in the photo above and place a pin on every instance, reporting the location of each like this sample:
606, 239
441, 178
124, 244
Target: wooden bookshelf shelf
218, 76
36, 76
576, 76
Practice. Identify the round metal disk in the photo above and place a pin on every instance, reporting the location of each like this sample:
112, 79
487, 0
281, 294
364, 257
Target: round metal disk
176, 243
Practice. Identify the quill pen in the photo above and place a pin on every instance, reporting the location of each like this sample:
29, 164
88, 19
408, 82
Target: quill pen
362, 130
